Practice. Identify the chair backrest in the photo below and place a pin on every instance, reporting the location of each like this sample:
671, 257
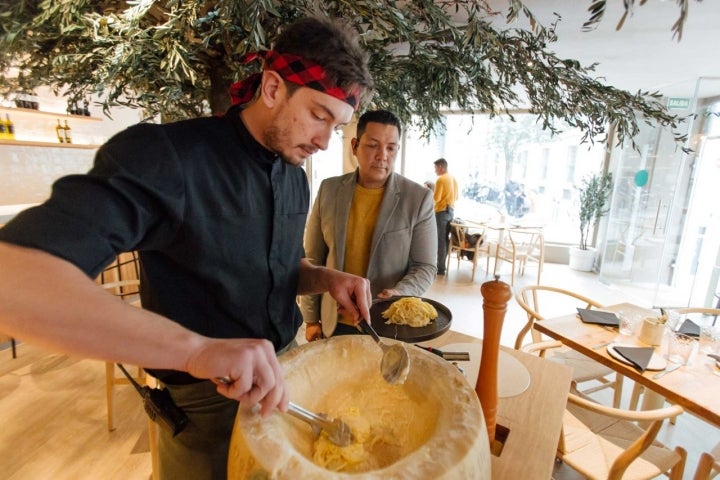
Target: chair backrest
701, 310
122, 276
556, 301
528, 242
457, 233
584, 417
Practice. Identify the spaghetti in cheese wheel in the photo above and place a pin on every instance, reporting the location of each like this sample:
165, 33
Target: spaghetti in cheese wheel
410, 311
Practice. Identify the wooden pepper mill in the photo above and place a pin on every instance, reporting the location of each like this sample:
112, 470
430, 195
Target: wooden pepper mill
495, 297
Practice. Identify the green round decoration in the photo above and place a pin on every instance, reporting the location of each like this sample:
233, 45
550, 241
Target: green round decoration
641, 178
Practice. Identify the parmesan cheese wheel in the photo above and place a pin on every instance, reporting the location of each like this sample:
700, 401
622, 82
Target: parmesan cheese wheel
431, 427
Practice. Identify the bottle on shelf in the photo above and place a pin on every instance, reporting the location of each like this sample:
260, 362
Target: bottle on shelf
3, 131
9, 127
60, 132
86, 107
68, 137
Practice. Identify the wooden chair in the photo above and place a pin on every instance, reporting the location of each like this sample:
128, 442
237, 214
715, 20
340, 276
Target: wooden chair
606, 443
122, 279
519, 247
709, 465
468, 246
638, 389
585, 369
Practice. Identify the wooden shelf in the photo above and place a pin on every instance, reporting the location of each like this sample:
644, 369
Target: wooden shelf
29, 143
30, 111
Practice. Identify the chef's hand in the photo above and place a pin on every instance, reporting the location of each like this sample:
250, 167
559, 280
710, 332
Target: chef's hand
352, 293
313, 331
387, 293
251, 366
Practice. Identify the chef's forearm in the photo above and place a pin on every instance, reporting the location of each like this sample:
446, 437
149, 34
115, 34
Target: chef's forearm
50, 302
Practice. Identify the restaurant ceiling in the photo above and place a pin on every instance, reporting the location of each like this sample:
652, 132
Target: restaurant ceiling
643, 54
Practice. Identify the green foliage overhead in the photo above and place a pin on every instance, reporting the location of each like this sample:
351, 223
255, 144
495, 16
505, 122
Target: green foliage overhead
597, 12
178, 57
594, 203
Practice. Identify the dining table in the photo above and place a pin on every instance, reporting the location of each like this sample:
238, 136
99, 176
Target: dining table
529, 416
695, 386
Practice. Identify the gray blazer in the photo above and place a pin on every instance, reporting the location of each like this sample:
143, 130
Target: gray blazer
403, 254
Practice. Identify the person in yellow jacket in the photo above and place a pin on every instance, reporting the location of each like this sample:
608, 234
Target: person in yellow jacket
445, 196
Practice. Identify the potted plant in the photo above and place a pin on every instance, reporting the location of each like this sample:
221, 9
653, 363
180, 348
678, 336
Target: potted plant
594, 204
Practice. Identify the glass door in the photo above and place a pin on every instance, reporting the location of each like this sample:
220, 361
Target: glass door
662, 238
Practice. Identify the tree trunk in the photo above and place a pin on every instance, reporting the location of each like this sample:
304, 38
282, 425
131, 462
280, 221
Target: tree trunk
220, 80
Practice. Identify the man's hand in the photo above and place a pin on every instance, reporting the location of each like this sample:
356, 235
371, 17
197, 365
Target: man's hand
352, 293
387, 293
251, 366
313, 331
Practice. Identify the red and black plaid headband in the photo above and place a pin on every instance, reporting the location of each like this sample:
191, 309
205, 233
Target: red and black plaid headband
294, 69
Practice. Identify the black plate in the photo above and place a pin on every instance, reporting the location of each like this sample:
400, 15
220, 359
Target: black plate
404, 332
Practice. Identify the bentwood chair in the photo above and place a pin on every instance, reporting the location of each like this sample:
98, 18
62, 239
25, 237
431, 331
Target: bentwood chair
603, 442
122, 279
468, 242
709, 465
519, 247
607, 443
556, 301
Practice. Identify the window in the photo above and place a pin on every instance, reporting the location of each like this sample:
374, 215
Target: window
514, 167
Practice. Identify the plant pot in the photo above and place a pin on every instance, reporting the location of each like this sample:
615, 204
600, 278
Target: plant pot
582, 260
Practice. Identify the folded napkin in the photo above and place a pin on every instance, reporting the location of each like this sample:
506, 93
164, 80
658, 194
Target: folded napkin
598, 317
689, 327
639, 357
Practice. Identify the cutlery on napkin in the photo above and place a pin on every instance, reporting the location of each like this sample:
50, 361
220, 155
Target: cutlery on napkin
639, 357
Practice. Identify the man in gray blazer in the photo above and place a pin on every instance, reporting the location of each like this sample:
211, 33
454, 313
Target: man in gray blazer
372, 222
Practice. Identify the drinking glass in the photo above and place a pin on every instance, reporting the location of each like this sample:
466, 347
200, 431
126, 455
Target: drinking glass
628, 322
709, 339
680, 347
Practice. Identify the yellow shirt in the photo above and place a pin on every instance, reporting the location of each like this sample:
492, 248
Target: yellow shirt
364, 212
363, 216
446, 192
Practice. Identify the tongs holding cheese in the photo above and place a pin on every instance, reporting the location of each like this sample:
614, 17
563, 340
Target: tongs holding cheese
338, 432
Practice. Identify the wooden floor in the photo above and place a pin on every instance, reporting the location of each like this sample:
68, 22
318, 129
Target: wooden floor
53, 416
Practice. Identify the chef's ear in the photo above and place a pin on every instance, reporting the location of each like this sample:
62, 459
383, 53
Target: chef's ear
354, 145
272, 89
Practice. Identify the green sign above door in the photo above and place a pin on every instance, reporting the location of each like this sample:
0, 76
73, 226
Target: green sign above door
677, 103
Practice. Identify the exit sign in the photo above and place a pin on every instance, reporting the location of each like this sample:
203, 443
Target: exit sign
675, 103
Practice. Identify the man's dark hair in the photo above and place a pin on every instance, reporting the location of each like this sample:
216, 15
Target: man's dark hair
333, 46
377, 116
441, 162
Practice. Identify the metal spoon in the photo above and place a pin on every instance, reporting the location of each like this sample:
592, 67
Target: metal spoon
338, 431
395, 364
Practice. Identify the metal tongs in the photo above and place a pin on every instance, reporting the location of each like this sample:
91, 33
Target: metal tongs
338, 432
